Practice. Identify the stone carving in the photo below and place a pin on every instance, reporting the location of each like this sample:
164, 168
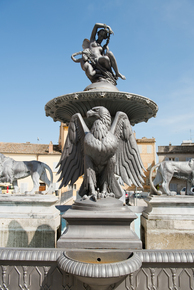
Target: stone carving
100, 153
62, 108
92, 268
11, 171
169, 169
96, 60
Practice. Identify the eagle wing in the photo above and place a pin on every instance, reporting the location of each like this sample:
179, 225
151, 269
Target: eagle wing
128, 161
71, 164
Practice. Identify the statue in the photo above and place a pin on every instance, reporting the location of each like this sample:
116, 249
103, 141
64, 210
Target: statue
100, 153
169, 169
96, 60
11, 171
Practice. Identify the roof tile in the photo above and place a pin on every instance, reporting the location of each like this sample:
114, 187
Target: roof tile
27, 148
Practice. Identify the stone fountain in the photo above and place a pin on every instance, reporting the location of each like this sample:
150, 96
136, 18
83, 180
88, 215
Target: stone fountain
100, 269
100, 143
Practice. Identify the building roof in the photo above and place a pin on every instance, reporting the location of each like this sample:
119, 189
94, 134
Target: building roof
27, 148
175, 149
146, 140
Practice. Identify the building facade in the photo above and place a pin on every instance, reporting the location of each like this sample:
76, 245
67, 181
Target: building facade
147, 149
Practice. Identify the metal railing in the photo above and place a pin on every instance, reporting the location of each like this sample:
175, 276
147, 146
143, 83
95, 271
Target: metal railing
32, 269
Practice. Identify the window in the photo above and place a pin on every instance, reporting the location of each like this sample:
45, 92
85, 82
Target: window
54, 166
23, 187
188, 158
169, 159
42, 186
70, 187
140, 148
176, 159
149, 148
147, 181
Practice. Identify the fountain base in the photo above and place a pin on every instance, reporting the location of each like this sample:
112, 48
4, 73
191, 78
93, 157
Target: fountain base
104, 224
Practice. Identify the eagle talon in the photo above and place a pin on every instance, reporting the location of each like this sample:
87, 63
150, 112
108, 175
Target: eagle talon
94, 197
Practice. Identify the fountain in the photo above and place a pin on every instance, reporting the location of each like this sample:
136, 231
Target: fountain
99, 269
98, 242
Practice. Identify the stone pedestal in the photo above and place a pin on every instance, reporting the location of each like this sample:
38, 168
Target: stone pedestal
168, 222
28, 221
104, 224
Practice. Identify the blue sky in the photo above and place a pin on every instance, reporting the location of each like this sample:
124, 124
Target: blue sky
153, 43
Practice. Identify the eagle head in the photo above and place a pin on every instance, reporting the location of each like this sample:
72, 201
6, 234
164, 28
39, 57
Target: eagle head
100, 113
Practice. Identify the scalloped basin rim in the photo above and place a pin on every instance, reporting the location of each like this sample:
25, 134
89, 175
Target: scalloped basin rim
138, 108
114, 265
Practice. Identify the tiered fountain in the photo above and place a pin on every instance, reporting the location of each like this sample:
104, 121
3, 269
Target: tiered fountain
99, 243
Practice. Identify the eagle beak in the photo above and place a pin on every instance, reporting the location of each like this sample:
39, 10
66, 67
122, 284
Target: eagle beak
89, 113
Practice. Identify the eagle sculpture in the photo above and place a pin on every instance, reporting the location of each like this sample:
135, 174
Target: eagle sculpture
99, 153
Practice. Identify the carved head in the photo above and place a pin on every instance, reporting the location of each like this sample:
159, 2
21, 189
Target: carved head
102, 34
100, 113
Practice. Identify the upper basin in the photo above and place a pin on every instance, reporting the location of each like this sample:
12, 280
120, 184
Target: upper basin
138, 108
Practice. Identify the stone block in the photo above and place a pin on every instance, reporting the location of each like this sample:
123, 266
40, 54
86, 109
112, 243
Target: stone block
168, 223
104, 224
28, 221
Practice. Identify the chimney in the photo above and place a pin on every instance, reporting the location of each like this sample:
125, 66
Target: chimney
51, 147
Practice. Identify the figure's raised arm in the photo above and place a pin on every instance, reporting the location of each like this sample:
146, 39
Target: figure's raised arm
76, 59
99, 25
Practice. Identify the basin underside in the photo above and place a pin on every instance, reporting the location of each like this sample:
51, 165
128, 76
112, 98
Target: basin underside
138, 108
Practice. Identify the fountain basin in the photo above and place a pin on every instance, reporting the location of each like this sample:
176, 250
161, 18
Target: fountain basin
99, 268
138, 108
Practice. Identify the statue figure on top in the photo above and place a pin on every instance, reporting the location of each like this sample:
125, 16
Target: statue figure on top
98, 61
